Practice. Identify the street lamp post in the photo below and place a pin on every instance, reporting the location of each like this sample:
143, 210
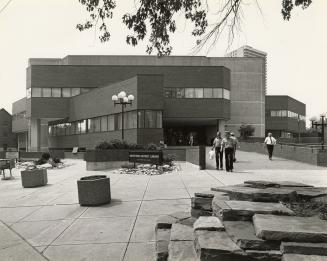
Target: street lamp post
122, 99
322, 124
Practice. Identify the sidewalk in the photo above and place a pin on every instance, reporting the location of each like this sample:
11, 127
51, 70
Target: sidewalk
50, 220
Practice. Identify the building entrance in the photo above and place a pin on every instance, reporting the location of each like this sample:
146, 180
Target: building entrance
182, 136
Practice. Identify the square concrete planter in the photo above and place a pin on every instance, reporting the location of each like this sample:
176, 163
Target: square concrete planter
34, 178
94, 190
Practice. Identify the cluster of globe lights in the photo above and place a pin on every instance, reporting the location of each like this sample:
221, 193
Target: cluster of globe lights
122, 96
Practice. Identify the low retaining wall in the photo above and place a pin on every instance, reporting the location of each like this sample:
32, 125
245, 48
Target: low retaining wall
316, 157
111, 159
70, 155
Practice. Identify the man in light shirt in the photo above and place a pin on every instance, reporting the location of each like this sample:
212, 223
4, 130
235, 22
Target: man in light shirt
270, 142
228, 145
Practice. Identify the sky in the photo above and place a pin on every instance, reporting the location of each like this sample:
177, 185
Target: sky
297, 50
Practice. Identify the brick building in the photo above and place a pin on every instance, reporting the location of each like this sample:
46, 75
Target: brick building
68, 101
285, 116
7, 137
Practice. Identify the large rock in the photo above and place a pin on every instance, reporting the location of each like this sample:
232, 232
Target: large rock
244, 210
264, 255
196, 213
243, 234
180, 232
182, 250
275, 184
161, 250
292, 257
209, 223
216, 245
290, 228
201, 203
242, 192
165, 221
319, 249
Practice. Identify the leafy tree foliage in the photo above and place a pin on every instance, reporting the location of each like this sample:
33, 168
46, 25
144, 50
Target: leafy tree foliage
246, 130
157, 19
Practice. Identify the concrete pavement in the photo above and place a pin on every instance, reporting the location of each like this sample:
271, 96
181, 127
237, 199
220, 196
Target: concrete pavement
49, 222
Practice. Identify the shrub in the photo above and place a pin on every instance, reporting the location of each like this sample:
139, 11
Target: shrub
151, 146
169, 159
56, 160
246, 131
118, 144
46, 156
104, 145
41, 161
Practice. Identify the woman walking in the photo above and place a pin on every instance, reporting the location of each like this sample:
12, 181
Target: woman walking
219, 153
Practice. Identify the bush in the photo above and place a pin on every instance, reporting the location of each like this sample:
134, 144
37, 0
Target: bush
46, 156
246, 131
169, 159
104, 145
41, 161
151, 146
56, 160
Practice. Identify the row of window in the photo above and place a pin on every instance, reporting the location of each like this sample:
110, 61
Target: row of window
20, 115
180, 93
132, 120
286, 113
55, 92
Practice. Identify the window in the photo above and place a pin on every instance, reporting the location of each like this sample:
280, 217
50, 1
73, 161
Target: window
46, 92
66, 92
82, 126
189, 93
226, 94
180, 93
140, 119
85, 90
111, 123
76, 91
170, 93
36, 92
104, 123
94, 125
207, 93
56, 92
150, 119
130, 120
159, 119
217, 93
74, 128
28, 93
198, 92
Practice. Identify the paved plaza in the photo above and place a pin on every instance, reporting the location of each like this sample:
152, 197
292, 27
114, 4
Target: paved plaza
47, 223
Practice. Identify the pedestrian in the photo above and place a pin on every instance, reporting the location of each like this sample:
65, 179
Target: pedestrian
270, 142
235, 145
219, 153
228, 146
191, 139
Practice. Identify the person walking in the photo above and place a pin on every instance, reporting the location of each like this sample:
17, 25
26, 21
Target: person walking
219, 153
235, 145
228, 146
270, 142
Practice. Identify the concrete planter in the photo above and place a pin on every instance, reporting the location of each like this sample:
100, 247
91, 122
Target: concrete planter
34, 178
94, 190
105, 159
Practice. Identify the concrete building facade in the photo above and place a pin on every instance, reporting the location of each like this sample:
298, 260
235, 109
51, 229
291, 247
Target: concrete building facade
68, 101
285, 116
8, 139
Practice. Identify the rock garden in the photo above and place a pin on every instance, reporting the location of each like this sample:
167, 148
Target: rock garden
257, 220
45, 162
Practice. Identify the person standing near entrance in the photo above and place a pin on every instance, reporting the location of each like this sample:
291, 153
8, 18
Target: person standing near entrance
191, 140
270, 142
228, 146
219, 153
